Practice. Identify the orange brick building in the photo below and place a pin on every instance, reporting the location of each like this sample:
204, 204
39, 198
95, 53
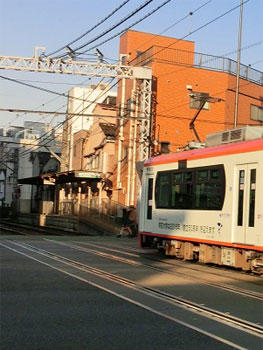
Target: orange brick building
182, 78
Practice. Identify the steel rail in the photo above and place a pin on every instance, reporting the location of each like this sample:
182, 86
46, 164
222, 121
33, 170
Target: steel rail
204, 311
251, 294
254, 295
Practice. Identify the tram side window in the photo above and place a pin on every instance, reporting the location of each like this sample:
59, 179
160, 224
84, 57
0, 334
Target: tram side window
208, 189
207, 196
195, 188
182, 190
163, 186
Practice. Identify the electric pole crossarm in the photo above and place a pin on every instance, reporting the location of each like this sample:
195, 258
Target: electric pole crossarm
48, 65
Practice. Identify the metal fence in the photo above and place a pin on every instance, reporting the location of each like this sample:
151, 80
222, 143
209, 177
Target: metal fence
198, 60
66, 208
105, 209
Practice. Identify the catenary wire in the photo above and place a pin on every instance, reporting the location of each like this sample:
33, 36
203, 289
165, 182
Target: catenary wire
131, 14
125, 29
69, 119
91, 29
60, 124
199, 27
219, 16
177, 22
196, 30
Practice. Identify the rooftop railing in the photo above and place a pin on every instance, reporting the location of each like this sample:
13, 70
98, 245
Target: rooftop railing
197, 60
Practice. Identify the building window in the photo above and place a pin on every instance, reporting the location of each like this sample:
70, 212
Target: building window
256, 113
165, 147
197, 98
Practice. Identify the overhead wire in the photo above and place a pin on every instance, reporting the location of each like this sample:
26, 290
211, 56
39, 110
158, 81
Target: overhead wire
131, 14
211, 21
94, 101
81, 99
43, 89
176, 23
140, 20
85, 100
248, 46
192, 12
195, 30
125, 29
47, 134
91, 29
64, 95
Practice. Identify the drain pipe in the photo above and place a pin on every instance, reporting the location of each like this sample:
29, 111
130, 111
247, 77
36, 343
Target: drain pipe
130, 149
134, 151
120, 141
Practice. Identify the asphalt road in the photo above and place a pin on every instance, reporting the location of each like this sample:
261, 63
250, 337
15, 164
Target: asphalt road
42, 308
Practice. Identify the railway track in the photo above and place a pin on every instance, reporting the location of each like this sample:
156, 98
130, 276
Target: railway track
131, 257
171, 271
213, 314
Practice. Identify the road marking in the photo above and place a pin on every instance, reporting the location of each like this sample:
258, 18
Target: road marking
129, 300
185, 304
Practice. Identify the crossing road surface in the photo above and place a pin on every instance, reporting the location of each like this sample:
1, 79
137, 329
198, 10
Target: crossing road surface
57, 296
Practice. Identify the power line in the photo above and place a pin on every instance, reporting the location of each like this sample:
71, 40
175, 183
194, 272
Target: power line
138, 9
209, 22
191, 13
150, 13
125, 29
46, 82
85, 100
91, 29
177, 22
22, 143
194, 31
61, 123
68, 119
43, 89
13, 110
53, 99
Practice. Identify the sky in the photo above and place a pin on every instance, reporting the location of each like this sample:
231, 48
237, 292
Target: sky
53, 24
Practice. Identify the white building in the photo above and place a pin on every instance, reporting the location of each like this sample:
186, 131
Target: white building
82, 100
18, 161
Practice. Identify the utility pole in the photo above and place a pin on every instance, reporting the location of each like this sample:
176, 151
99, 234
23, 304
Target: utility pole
238, 63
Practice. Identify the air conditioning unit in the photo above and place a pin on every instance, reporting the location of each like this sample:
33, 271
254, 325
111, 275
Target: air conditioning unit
234, 135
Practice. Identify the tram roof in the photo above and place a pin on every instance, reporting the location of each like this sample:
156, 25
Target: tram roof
209, 152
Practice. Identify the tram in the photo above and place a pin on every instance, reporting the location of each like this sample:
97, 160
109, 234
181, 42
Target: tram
206, 204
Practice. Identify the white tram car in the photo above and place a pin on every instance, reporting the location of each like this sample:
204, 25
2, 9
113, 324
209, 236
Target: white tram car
207, 204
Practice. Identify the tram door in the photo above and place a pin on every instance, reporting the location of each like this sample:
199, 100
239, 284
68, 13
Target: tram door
148, 215
247, 200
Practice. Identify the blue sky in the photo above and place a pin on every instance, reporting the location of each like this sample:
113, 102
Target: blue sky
25, 24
